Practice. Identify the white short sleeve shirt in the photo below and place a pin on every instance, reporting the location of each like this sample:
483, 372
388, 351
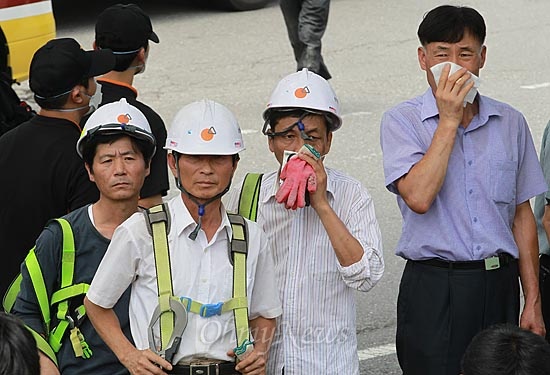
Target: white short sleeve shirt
201, 270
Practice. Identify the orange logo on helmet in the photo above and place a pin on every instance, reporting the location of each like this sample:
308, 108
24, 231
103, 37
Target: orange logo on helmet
207, 134
124, 118
301, 92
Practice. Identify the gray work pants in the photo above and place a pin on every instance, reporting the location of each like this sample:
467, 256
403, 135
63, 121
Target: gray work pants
306, 22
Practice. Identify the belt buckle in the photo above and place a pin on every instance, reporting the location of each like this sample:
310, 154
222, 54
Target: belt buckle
492, 263
203, 370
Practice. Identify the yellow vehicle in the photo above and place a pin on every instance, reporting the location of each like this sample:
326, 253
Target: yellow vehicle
25, 26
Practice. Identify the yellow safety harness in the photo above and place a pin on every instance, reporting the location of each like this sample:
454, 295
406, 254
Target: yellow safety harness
52, 342
250, 196
172, 311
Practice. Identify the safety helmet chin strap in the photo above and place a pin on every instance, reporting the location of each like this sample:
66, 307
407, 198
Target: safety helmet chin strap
201, 206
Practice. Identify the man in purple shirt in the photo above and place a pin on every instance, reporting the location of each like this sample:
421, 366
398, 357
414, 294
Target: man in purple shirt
463, 171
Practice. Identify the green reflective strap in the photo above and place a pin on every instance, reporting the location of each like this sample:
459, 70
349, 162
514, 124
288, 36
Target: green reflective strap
232, 304
235, 303
195, 306
164, 277
250, 195
239, 292
43, 345
68, 254
11, 294
67, 265
39, 285
239, 250
56, 336
69, 292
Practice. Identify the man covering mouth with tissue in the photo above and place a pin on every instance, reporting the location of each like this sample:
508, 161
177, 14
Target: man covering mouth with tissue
463, 167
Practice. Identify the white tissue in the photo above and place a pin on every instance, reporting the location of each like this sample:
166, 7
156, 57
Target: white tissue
436, 70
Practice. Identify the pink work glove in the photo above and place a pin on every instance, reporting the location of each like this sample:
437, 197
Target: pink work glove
297, 175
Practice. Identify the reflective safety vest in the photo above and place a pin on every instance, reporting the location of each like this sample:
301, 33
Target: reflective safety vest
171, 312
60, 299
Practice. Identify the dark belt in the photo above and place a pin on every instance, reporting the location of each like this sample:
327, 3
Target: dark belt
487, 264
212, 369
545, 260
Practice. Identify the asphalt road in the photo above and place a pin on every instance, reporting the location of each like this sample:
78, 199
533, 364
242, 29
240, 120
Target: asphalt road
370, 49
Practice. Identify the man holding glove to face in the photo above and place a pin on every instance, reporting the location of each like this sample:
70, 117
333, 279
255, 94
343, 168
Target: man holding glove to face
324, 250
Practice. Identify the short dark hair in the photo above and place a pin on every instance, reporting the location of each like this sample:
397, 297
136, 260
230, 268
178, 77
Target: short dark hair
124, 60
18, 351
60, 101
89, 148
507, 350
448, 23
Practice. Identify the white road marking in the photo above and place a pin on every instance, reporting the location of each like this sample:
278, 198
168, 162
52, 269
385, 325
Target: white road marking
377, 351
357, 114
536, 86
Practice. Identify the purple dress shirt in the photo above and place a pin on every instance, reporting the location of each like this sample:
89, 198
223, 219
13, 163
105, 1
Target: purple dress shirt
493, 167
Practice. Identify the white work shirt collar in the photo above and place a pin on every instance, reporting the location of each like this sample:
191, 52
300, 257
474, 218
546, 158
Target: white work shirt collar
183, 223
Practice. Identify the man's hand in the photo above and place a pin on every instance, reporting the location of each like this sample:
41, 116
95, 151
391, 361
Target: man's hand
531, 319
253, 364
450, 95
47, 367
145, 362
297, 175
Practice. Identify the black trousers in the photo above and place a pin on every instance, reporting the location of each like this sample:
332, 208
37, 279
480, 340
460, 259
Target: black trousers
439, 310
306, 22
544, 285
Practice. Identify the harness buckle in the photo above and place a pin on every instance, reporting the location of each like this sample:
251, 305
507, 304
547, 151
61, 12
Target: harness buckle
187, 301
210, 309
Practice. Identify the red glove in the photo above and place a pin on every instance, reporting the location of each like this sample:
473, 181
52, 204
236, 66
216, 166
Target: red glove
297, 175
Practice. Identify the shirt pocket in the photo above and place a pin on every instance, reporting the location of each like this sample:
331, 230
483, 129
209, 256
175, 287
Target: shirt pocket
503, 180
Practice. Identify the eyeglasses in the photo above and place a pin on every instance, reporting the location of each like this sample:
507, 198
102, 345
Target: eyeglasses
285, 131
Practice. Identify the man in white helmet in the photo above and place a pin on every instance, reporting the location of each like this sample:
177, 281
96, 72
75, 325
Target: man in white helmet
205, 141
323, 252
116, 145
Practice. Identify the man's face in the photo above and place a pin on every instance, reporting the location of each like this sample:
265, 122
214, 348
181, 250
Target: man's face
204, 176
118, 170
468, 53
315, 127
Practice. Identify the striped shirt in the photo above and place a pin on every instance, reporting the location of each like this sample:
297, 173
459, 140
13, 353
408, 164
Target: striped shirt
316, 333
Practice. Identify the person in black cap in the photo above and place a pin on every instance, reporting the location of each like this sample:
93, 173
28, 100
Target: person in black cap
42, 175
126, 29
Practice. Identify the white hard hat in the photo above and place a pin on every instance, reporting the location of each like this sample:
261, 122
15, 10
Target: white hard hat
305, 90
114, 118
205, 128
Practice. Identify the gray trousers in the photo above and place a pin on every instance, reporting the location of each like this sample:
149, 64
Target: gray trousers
306, 22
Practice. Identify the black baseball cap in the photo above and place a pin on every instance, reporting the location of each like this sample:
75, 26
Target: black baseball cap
124, 28
61, 64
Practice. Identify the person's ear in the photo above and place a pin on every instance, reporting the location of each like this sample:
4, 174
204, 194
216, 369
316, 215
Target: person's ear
90, 172
421, 52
